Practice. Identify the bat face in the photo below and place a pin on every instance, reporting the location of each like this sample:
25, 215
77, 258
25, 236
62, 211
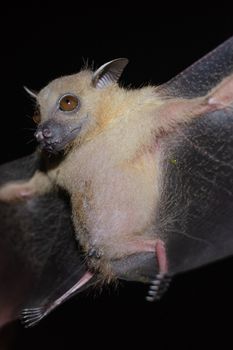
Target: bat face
63, 115
70, 108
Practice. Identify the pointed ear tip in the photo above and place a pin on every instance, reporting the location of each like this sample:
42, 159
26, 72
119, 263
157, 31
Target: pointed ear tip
30, 92
125, 60
109, 72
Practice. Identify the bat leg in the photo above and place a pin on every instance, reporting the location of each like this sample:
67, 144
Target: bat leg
162, 280
31, 316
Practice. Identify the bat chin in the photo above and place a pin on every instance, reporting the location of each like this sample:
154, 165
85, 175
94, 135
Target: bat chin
53, 148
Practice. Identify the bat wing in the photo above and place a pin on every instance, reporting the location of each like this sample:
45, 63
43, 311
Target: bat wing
195, 211
196, 205
202, 76
41, 265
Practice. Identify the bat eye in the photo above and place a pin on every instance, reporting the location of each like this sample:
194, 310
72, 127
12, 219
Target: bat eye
68, 103
36, 117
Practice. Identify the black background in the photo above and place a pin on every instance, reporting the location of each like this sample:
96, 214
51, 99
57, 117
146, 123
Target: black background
39, 43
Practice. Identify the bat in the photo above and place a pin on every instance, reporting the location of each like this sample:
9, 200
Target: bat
166, 149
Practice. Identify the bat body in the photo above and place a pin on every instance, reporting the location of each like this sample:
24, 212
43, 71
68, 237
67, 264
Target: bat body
114, 166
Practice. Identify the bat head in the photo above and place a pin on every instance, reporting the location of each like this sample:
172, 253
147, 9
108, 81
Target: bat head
73, 108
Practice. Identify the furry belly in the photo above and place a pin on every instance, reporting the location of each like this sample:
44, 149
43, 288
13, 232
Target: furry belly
105, 238
119, 210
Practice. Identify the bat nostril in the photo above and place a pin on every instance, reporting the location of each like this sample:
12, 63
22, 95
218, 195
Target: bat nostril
39, 136
47, 132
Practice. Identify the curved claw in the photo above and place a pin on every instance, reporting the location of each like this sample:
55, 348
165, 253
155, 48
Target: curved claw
158, 287
30, 317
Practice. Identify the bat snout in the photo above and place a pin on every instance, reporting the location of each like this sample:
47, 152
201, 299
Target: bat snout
48, 135
53, 136
43, 134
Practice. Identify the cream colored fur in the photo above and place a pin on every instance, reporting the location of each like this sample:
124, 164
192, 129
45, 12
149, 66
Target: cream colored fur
112, 169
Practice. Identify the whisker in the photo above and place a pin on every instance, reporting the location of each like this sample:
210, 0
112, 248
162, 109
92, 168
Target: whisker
29, 129
29, 117
30, 141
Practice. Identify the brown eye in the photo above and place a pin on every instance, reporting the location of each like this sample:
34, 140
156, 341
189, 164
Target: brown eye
36, 117
68, 103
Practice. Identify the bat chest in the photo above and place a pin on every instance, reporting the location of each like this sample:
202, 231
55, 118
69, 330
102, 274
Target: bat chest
114, 208
114, 198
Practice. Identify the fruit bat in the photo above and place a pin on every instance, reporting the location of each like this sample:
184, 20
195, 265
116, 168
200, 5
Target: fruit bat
147, 172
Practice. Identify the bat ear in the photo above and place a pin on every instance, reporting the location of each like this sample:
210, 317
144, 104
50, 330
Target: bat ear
109, 73
32, 93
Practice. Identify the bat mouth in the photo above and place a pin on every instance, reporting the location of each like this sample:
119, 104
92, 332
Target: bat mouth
57, 144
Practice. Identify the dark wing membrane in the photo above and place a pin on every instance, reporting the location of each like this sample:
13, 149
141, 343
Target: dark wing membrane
195, 212
15, 272
196, 206
203, 75
40, 259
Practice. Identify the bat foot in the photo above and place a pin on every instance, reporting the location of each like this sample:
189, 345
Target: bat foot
14, 192
158, 287
30, 317
162, 280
